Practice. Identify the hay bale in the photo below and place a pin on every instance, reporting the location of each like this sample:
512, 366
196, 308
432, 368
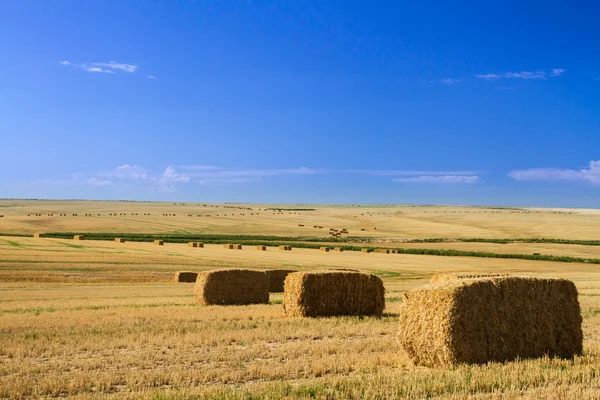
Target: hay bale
78, 237
325, 249
200, 245
261, 248
228, 246
285, 248
232, 286
490, 319
119, 240
332, 293
365, 250
186, 276
459, 275
277, 279
237, 246
382, 251
192, 244
339, 249
38, 235
159, 242
537, 254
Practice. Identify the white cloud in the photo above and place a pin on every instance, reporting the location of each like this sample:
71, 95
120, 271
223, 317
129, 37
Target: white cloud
440, 179
98, 182
522, 75
109, 67
450, 81
209, 173
590, 175
408, 172
151, 77
127, 171
170, 175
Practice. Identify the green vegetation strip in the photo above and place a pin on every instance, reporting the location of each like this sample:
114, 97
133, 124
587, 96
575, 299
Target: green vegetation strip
309, 243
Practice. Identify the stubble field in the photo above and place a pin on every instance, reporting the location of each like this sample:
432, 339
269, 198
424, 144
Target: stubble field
98, 319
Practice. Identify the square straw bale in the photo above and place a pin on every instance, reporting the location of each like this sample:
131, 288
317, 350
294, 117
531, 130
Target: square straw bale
192, 244
261, 248
159, 242
186, 276
232, 287
325, 249
119, 240
228, 246
78, 237
38, 235
277, 278
332, 293
493, 319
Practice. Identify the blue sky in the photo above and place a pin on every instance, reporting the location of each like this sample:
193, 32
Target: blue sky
301, 101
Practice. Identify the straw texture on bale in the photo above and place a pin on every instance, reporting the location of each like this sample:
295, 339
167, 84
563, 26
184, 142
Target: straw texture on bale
490, 319
454, 276
186, 276
119, 240
232, 287
159, 242
332, 293
78, 237
277, 278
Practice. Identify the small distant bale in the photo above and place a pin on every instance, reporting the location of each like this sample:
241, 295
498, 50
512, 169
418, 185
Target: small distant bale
38, 235
457, 276
237, 246
78, 237
228, 246
320, 227
485, 320
338, 249
277, 279
537, 254
159, 242
261, 248
394, 251
185, 276
285, 248
192, 244
315, 226
232, 287
298, 224
382, 251
119, 240
325, 249
333, 293
365, 250
200, 245
362, 229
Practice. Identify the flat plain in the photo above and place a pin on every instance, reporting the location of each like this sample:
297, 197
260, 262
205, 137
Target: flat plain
99, 319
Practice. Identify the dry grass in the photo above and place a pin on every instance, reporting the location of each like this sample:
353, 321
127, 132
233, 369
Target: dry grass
94, 320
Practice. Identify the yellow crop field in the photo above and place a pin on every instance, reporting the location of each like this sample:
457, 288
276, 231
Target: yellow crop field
97, 319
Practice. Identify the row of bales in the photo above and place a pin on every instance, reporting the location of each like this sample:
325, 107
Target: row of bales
456, 319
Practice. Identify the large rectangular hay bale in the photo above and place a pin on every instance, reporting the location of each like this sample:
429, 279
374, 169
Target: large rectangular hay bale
186, 276
232, 286
277, 279
490, 319
332, 293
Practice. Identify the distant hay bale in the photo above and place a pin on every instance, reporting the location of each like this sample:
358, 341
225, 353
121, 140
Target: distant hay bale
78, 237
261, 248
159, 242
325, 249
383, 251
339, 249
192, 244
332, 293
365, 250
537, 254
277, 278
185, 276
490, 320
394, 251
454, 276
232, 287
237, 246
298, 224
228, 246
200, 245
38, 235
119, 240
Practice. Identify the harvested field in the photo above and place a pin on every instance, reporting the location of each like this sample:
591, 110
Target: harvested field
492, 319
333, 293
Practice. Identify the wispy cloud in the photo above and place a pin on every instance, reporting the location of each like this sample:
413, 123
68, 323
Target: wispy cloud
208, 173
440, 179
522, 75
106, 67
151, 77
590, 174
98, 182
450, 81
408, 172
